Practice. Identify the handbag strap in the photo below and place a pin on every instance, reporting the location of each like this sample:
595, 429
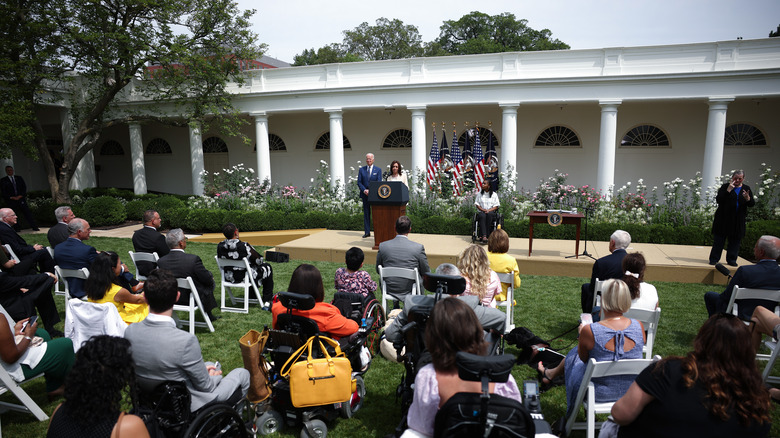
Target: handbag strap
285, 371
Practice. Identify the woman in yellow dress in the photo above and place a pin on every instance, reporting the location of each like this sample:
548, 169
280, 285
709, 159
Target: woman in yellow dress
100, 288
500, 261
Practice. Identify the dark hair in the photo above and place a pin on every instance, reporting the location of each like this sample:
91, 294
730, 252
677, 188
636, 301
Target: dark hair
403, 225
498, 241
452, 327
634, 263
481, 190
95, 385
160, 290
354, 258
149, 215
400, 168
306, 279
229, 230
723, 362
101, 275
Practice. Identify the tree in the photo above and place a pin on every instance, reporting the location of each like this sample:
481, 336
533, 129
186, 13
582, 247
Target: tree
330, 54
389, 39
477, 32
85, 53
774, 33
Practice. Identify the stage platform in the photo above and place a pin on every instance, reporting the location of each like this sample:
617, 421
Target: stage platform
686, 264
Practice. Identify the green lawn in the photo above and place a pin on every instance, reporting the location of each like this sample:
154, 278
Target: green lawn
546, 305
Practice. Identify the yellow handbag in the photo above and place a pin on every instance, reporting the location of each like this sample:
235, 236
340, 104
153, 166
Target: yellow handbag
317, 382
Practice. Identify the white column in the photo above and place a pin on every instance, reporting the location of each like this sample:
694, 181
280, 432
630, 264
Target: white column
336, 149
137, 159
418, 142
508, 158
263, 147
713, 143
196, 156
605, 179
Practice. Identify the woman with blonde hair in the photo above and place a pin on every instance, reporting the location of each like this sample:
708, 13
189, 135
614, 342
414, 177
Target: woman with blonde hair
500, 261
480, 279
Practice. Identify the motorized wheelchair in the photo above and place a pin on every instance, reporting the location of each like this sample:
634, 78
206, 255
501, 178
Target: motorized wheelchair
362, 309
498, 222
291, 332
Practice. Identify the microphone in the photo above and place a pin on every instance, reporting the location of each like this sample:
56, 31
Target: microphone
723, 270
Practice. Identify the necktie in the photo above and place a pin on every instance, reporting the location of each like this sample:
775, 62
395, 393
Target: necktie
13, 182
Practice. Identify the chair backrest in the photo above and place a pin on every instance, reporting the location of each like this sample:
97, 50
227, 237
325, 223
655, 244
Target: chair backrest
744, 293
65, 274
509, 280
649, 319
597, 289
11, 254
136, 257
405, 273
84, 320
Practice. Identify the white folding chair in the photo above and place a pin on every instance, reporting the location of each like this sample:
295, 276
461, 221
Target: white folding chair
142, 257
743, 293
509, 304
597, 288
587, 389
58, 287
7, 383
64, 274
408, 274
11, 254
648, 318
248, 282
193, 307
84, 320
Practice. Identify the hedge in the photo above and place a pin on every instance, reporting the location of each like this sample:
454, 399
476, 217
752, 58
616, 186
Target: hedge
102, 211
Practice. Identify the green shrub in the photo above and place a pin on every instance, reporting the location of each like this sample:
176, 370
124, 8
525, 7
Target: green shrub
135, 209
94, 192
103, 210
164, 205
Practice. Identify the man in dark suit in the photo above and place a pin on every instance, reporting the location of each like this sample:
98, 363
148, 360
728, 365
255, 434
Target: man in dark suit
401, 252
182, 265
59, 232
765, 274
14, 192
607, 267
162, 352
148, 239
73, 253
366, 174
37, 253
733, 200
21, 294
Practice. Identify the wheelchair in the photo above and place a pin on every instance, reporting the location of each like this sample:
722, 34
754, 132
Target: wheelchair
292, 332
498, 222
361, 309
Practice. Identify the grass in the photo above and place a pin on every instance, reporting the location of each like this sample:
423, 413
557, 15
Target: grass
547, 305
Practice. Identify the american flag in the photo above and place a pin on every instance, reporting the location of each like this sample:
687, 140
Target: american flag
433, 162
479, 165
457, 164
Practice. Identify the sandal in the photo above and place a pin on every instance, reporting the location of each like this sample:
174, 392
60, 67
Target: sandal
774, 395
543, 376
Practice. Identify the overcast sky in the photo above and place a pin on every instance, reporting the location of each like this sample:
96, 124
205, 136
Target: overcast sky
289, 27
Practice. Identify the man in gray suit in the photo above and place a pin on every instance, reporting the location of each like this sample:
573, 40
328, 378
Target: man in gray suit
162, 352
402, 253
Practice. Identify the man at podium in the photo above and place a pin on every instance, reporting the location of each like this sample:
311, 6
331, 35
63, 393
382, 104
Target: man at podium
366, 174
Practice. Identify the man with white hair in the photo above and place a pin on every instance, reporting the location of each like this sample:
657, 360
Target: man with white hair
20, 247
607, 267
366, 174
59, 232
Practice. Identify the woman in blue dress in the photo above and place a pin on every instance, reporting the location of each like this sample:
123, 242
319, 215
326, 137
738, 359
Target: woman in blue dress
613, 338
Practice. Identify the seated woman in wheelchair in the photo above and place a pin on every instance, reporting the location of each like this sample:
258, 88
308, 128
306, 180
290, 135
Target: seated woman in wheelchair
452, 327
306, 279
487, 204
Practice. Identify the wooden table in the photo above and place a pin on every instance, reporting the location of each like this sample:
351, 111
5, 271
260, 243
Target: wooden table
540, 217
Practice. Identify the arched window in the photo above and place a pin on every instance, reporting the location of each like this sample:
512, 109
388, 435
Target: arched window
214, 145
158, 146
398, 139
485, 136
744, 134
111, 148
275, 143
558, 136
323, 143
645, 136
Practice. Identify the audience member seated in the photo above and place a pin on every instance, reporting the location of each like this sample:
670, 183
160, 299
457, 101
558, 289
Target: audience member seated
643, 295
234, 249
352, 279
20, 296
714, 391
94, 393
306, 279
613, 338
400, 252
102, 287
162, 352
27, 353
481, 281
487, 204
765, 274
452, 327
59, 232
17, 269
37, 253
148, 239
766, 323
73, 253
500, 261
610, 266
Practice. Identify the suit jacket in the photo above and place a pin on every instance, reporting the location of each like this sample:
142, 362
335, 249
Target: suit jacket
729, 218
364, 178
147, 239
163, 352
18, 244
763, 275
402, 253
57, 234
181, 265
7, 188
74, 254
607, 267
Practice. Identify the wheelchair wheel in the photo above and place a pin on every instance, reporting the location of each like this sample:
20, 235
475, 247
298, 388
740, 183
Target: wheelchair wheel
217, 420
318, 429
270, 422
373, 337
349, 407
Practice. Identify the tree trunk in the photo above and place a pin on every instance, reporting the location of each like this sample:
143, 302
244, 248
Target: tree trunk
48, 164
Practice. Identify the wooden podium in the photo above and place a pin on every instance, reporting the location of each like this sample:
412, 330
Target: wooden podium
388, 201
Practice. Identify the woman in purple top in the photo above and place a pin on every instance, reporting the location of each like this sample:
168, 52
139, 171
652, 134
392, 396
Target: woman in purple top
352, 279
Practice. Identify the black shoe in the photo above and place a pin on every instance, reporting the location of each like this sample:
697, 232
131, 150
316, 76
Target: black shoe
366, 235
713, 263
733, 264
213, 317
54, 333
36, 229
